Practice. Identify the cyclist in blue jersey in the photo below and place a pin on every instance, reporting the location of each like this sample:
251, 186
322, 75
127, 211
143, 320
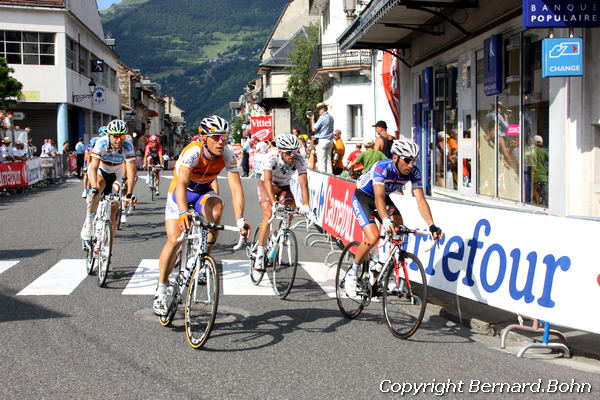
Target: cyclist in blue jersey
87, 159
371, 200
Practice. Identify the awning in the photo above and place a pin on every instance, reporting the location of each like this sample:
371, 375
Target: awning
150, 114
390, 24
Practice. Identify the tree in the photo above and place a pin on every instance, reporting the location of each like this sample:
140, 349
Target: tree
10, 88
302, 96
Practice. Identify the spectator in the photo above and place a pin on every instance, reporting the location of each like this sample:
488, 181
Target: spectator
323, 134
65, 148
8, 126
338, 152
31, 149
311, 156
5, 150
452, 157
48, 150
245, 156
2, 128
369, 157
383, 141
354, 172
18, 153
296, 132
166, 159
540, 172
80, 154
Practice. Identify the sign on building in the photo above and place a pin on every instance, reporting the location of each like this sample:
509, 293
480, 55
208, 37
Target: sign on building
261, 128
97, 65
428, 89
561, 13
562, 57
493, 81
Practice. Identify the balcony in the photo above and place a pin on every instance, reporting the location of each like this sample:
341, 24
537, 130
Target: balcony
276, 91
328, 59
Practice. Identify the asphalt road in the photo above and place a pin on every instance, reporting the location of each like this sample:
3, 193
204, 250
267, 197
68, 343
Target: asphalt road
101, 343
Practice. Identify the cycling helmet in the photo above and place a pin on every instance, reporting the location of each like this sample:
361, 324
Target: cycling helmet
102, 131
405, 148
213, 124
287, 142
154, 138
196, 138
117, 127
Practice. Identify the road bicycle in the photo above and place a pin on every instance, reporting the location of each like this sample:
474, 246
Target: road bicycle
99, 248
152, 181
196, 271
281, 253
401, 283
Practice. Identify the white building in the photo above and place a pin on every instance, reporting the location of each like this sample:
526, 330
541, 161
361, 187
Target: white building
52, 45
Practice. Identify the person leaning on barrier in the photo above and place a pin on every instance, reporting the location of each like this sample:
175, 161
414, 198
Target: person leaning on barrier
337, 157
18, 152
5, 150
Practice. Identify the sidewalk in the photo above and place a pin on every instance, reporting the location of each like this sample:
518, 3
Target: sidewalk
483, 319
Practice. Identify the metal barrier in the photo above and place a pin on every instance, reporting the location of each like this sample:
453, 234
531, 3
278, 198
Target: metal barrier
564, 346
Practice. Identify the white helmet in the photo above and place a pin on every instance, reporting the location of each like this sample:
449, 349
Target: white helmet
405, 148
116, 127
213, 124
287, 142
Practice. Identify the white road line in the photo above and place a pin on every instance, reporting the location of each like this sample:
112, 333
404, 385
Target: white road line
61, 279
236, 280
144, 279
322, 275
4, 265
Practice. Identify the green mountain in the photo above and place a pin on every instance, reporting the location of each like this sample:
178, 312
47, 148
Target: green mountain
203, 52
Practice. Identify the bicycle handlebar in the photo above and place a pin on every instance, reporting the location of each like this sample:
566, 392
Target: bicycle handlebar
210, 226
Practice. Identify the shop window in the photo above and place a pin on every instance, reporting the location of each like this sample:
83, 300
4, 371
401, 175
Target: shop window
71, 54
27, 47
439, 108
84, 61
486, 135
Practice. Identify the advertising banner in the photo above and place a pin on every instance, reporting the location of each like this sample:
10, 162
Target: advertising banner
261, 128
34, 170
13, 174
490, 255
561, 13
493, 81
428, 89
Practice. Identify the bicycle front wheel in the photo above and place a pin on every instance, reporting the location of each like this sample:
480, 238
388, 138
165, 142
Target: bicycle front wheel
285, 264
90, 260
404, 297
119, 213
350, 304
201, 302
255, 275
105, 252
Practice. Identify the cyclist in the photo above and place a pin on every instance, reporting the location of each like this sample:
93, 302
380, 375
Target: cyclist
371, 200
195, 183
106, 167
87, 159
153, 155
274, 187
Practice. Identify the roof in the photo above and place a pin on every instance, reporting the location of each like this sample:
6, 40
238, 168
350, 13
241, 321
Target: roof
35, 3
281, 57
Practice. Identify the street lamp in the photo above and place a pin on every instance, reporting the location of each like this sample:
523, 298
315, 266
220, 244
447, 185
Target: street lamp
92, 88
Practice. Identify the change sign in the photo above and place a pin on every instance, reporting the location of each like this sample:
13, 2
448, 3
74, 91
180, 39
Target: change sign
562, 57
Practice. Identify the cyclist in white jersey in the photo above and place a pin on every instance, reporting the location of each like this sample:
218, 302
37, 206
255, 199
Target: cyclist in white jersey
274, 187
109, 154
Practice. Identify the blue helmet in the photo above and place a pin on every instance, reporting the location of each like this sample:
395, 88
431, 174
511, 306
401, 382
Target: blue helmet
102, 131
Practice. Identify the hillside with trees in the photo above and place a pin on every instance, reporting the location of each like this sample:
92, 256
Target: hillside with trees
202, 52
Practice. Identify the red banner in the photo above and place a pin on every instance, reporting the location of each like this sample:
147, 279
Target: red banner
13, 174
390, 76
338, 217
261, 128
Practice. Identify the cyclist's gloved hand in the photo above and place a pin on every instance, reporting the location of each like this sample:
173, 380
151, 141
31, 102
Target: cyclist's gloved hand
278, 206
435, 232
304, 209
387, 224
244, 227
183, 220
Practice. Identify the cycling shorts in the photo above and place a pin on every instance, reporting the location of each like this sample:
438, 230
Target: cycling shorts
197, 199
155, 160
112, 185
283, 194
364, 208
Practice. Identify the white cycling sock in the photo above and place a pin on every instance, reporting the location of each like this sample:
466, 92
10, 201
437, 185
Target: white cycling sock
90, 215
260, 250
162, 288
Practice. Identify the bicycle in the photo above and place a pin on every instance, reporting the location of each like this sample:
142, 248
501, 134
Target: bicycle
196, 271
99, 248
128, 209
152, 180
401, 283
281, 252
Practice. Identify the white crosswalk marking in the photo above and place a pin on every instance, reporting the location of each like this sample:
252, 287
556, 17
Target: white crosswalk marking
4, 265
237, 282
322, 275
61, 279
144, 279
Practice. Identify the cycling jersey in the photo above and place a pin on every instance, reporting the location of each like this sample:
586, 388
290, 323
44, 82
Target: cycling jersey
282, 172
153, 149
204, 171
385, 173
112, 159
90, 146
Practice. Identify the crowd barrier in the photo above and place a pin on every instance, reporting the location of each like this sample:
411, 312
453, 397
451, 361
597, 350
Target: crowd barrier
535, 265
19, 174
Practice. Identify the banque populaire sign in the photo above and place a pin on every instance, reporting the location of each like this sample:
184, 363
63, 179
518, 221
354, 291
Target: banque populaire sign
561, 13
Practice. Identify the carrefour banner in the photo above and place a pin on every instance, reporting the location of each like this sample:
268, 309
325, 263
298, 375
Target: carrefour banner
13, 174
34, 170
561, 13
536, 265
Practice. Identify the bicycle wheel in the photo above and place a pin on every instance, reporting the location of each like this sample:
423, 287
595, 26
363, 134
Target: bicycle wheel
165, 320
90, 260
105, 246
350, 305
255, 276
201, 302
404, 300
119, 213
285, 264
152, 191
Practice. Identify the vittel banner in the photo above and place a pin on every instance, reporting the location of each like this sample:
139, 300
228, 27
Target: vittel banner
561, 13
261, 128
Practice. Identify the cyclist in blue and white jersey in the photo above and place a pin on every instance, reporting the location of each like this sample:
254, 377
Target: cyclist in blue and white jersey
371, 200
86, 159
109, 154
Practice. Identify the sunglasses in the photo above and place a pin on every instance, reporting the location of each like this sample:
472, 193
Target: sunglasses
218, 137
408, 160
119, 136
288, 152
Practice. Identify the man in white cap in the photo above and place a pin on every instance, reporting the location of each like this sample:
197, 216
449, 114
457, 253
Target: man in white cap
323, 134
5, 150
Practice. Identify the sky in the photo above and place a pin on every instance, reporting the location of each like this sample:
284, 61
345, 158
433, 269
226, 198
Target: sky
102, 4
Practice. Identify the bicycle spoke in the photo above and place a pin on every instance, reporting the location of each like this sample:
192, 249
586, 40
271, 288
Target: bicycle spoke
201, 302
350, 305
285, 264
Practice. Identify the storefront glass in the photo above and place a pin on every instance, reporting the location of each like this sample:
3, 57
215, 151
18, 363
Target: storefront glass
486, 135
